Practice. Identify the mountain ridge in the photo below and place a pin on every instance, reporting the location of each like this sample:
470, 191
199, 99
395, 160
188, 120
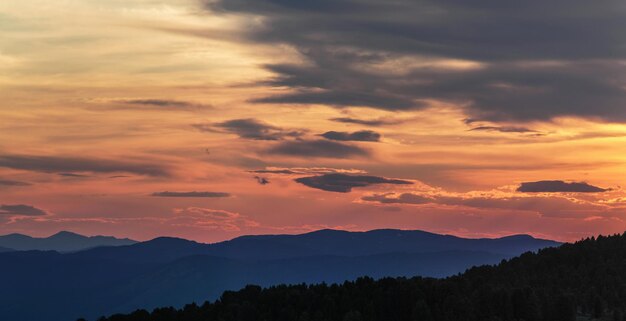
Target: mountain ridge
172, 271
62, 241
580, 281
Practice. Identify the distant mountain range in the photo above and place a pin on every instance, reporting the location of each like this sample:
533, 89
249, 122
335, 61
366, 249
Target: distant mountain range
48, 285
61, 242
584, 281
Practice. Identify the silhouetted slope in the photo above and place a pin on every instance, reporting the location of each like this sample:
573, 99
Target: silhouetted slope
585, 280
50, 286
159, 250
61, 242
198, 278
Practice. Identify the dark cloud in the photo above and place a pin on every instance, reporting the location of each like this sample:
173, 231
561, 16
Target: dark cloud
367, 122
559, 187
191, 194
503, 129
361, 136
534, 60
21, 209
262, 180
164, 103
54, 164
318, 148
250, 128
4, 182
343, 183
72, 175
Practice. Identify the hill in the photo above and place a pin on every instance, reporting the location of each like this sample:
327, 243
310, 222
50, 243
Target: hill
172, 272
581, 281
61, 242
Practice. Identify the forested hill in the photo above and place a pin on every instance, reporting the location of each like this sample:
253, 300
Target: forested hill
581, 281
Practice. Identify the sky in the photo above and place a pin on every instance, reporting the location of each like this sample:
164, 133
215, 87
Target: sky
210, 119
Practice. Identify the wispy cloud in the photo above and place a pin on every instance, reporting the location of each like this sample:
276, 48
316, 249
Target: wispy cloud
318, 148
191, 194
54, 164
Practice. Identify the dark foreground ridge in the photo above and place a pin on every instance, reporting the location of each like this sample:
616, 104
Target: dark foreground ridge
581, 281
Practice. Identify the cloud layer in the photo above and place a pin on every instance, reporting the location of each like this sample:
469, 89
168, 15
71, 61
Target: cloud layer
318, 148
498, 60
360, 136
250, 128
21, 210
191, 194
343, 183
558, 187
52, 164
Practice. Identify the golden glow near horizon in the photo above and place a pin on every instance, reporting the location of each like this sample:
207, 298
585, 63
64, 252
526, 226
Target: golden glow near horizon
121, 89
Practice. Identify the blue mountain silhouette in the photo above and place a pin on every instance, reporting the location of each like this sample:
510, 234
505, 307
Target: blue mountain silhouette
38, 285
63, 242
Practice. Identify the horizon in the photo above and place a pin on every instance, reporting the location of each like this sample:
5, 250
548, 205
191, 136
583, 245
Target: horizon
288, 234
212, 119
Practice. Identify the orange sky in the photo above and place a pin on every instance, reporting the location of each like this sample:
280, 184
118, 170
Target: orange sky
105, 103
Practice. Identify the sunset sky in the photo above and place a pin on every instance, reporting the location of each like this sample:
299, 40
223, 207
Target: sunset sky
209, 119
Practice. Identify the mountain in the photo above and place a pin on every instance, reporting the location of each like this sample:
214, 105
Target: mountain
5, 249
169, 271
575, 282
343, 243
61, 242
319, 243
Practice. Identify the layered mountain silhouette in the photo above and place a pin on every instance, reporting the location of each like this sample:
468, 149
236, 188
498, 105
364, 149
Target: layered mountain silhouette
584, 281
61, 242
53, 286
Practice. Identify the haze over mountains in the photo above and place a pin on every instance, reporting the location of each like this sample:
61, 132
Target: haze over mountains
62, 242
173, 272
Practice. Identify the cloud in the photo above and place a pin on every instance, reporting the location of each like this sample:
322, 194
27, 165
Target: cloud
361, 136
559, 187
72, 175
210, 219
164, 103
191, 194
306, 170
261, 180
250, 128
503, 129
53, 164
274, 171
5, 182
367, 122
545, 206
318, 148
343, 183
21, 210
498, 61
